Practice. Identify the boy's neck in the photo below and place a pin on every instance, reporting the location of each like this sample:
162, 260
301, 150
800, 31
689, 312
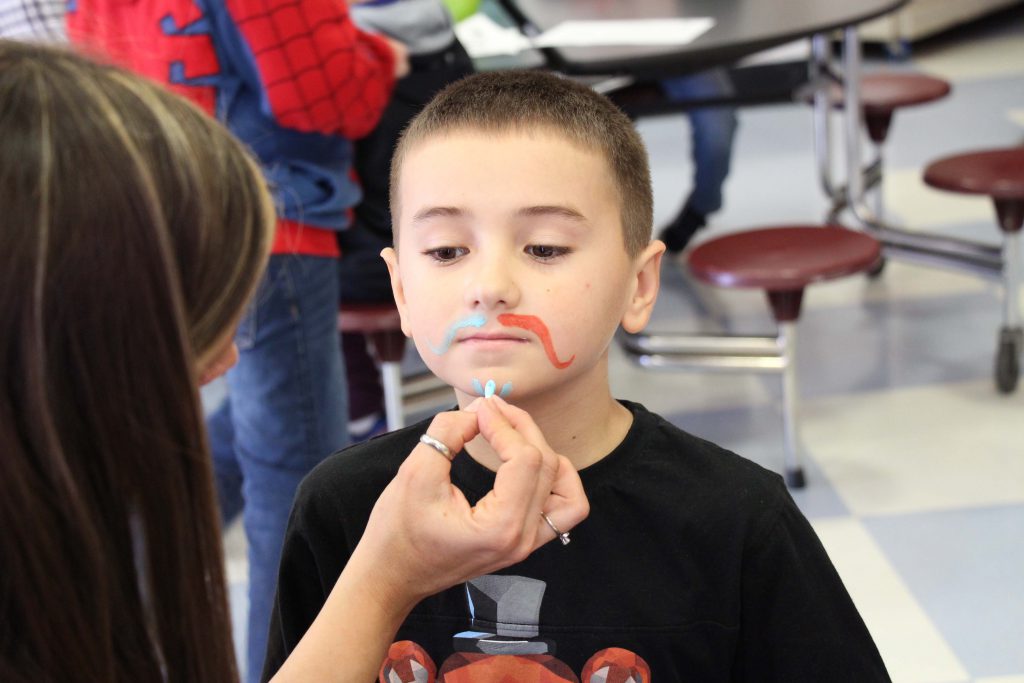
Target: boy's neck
584, 429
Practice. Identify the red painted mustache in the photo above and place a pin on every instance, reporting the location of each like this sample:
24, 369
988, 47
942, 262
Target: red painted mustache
532, 323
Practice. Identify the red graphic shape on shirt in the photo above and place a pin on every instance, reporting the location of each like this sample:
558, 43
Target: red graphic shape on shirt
532, 323
166, 42
615, 665
474, 667
407, 662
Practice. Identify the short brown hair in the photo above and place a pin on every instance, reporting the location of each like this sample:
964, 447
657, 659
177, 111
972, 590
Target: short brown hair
504, 101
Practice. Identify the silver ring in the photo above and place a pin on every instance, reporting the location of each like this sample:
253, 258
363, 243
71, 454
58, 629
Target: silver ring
563, 536
438, 446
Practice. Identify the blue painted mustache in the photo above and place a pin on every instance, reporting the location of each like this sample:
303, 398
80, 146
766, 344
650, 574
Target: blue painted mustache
477, 320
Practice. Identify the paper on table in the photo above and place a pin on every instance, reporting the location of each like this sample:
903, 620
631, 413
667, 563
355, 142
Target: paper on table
625, 32
483, 37
797, 51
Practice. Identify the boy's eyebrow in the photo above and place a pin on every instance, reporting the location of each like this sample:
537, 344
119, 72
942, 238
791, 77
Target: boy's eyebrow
525, 212
437, 212
552, 210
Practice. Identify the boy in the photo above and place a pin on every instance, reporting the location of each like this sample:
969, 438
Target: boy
522, 241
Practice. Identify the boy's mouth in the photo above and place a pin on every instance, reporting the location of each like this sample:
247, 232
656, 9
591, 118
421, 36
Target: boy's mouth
491, 337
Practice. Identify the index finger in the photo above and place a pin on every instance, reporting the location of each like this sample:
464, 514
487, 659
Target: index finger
526, 429
523, 481
511, 432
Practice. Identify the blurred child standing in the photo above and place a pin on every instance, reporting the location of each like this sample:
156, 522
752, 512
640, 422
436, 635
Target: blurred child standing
296, 82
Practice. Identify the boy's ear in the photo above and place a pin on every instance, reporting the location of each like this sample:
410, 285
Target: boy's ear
390, 257
644, 287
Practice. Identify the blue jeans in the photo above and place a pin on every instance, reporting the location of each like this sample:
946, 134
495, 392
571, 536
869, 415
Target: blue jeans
713, 130
286, 411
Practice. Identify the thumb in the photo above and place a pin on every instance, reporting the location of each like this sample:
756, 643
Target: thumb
427, 468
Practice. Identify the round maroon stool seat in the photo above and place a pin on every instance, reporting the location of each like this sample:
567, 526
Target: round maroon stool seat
883, 93
892, 90
998, 173
380, 323
783, 260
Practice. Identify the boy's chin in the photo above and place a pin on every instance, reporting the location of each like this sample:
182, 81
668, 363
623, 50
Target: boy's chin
513, 391
468, 391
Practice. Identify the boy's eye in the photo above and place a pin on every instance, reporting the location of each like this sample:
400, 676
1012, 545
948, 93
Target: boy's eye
444, 254
546, 252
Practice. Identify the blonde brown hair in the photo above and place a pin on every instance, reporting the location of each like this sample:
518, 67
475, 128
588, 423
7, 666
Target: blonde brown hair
134, 231
500, 102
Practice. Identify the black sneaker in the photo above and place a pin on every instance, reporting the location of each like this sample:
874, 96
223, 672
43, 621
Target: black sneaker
679, 232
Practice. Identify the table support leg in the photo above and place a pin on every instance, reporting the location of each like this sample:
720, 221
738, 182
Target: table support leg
1011, 336
773, 354
1011, 279
793, 467
391, 379
819, 75
878, 189
852, 115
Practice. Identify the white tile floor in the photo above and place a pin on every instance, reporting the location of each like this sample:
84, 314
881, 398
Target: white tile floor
915, 463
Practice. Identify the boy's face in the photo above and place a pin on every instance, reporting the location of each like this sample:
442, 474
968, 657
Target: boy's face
511, 273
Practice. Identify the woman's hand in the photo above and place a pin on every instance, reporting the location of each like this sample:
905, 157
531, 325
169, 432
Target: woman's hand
423, 536
401, 53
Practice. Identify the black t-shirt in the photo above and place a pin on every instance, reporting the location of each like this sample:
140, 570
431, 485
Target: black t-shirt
693, 558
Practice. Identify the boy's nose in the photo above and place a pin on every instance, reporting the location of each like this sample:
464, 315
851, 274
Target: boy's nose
493, 285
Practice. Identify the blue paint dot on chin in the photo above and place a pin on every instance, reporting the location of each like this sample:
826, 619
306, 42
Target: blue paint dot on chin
489, 389
477, 387
506, 389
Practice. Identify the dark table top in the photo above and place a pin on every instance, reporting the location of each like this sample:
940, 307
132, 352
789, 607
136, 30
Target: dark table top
742, 27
